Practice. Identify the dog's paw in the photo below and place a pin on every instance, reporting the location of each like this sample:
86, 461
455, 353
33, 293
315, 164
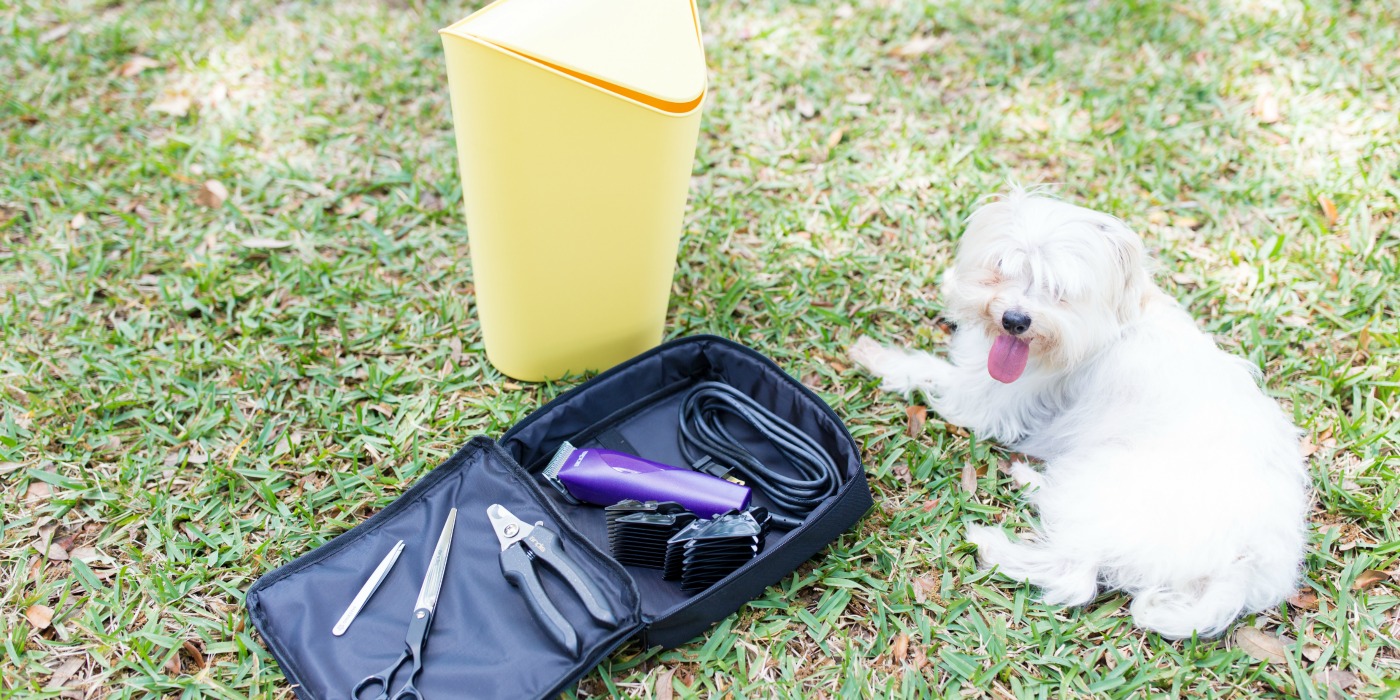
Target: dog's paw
1023, 475
991, 543
866, 353
901, 371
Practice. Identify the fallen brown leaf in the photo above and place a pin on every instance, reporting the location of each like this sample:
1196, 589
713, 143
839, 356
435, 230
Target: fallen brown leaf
1304, 600
173, 666
1261, 645
174, 105
1307, 447
55, 34
969, 478
135, 65
38, 491
1266, 108
258, 243
196, 656
1311, 652
63, 673
918, 415
1335, 680
664, 691
1329, 210
901, 472
1368, 579
41, 616
914, 47
84, 554
899, 648
211, 194
833, 139
925, 587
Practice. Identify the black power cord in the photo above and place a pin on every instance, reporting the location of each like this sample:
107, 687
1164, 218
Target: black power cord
817, 477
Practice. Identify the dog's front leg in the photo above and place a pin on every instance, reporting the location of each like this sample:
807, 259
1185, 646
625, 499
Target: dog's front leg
902, 370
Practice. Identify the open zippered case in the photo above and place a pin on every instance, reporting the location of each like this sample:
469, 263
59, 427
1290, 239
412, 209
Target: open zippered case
484, 642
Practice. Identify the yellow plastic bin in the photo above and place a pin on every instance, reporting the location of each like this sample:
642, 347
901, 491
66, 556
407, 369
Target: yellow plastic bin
576, 123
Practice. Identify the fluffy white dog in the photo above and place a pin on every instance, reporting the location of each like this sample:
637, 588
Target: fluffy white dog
1167, 472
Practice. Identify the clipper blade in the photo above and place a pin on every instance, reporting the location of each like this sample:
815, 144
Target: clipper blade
551, 472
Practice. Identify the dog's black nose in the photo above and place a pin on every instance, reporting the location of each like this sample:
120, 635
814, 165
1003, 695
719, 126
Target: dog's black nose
1015, 322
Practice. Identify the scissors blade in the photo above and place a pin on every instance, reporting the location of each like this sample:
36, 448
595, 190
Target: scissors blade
437, 568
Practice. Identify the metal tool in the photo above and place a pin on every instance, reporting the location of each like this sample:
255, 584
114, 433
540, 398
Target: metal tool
418, 626
372, 585
522, 544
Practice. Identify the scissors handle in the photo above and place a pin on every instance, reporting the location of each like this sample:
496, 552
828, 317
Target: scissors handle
519, 569
413, 653
378, 681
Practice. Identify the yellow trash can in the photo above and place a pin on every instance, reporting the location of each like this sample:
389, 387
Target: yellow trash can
576, 123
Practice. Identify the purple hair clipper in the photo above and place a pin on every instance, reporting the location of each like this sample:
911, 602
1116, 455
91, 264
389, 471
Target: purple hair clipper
605, 477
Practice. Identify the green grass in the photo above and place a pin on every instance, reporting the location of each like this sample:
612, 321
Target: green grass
181, 411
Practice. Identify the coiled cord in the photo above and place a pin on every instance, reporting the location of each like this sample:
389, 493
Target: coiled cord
702, 430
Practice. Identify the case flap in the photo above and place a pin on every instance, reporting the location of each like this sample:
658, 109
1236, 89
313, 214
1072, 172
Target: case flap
483, 637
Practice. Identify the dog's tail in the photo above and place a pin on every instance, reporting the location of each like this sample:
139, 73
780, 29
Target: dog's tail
1205, 608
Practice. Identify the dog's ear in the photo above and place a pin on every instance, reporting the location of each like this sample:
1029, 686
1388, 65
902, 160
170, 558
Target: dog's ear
1130, 257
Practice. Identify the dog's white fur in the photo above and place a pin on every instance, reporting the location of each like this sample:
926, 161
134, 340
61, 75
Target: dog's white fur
1167, 472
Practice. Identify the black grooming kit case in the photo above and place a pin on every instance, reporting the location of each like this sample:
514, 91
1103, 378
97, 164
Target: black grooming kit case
484, 643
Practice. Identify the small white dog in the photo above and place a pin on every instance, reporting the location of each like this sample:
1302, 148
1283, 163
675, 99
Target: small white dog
1167, 472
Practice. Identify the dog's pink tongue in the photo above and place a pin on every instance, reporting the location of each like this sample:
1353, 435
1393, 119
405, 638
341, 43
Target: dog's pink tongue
1007, 359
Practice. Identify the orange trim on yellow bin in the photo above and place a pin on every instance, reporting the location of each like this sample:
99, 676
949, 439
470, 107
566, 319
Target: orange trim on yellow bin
663, 105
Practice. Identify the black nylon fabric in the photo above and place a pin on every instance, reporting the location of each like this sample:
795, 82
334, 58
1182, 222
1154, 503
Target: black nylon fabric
484, 643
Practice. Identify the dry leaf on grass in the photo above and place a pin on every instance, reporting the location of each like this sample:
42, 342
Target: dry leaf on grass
55, 34
41, 616
1335, 680
664, 691
835, 138
918, 415
174, 105
914, 47
1266, 108
1303, 600
37, 491
196, 656
1368, 579
64, 673
1261, 645
211, 194
1329, 210
899, 648
258, 243
969, 478
84, 554
1311, 652
924, 588
135, 65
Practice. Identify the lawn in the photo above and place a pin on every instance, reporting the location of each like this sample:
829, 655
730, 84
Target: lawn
201, 382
